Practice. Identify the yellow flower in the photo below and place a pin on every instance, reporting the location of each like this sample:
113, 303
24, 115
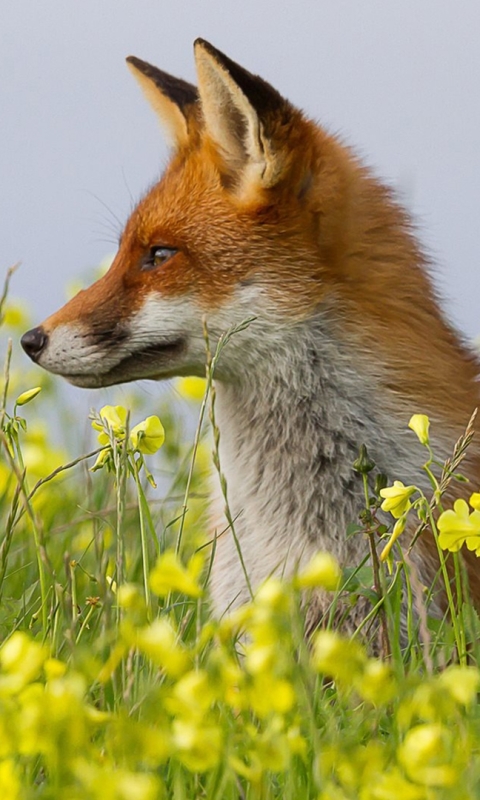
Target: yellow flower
475, 501
198, 745
391, 785
338, 658
102, 458
398, 529
323, 571
25, 397
457, 526
113, 417
148, 436
268, 694
21, 660
129, 596
15, 316
397, 498
169, 575
10, 784
426, 754
376, 682
462, 683
159, 642
191, 388
419, 424
272, 595
54, 668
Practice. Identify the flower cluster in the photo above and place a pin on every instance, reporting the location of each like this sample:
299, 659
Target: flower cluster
244, 702
454, 527
147, 437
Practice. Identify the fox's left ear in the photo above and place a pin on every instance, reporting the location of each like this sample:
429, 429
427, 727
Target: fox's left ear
242, 113
173, 99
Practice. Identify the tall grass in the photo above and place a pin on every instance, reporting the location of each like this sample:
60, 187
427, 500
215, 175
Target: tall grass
117, 681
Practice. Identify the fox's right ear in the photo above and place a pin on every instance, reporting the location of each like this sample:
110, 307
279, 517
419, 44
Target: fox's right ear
171, 98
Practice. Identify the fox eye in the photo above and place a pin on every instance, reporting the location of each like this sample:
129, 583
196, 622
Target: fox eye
158, 256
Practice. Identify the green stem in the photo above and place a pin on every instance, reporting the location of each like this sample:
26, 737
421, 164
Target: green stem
448, 590
143, 536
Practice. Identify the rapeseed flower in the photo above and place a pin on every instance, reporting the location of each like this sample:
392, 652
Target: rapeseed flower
113, 418
191, 388
462, 683
397, 498
375, 682
420, 424
159, 642
426, 755
458, 526
398, 529
198, 744
337, 657
21, 661
10, 782
392, 785
322, 572
170, 575
148, 436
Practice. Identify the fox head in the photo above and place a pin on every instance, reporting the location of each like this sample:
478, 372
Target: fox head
242, 224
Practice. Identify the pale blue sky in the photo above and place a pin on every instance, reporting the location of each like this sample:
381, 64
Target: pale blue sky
398, 79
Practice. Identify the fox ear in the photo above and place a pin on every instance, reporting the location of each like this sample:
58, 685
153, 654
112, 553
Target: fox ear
241, 111
171, 98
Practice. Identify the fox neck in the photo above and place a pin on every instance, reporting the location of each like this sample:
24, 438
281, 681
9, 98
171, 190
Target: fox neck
288, 441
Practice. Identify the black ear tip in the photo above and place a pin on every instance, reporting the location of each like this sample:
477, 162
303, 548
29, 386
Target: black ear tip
205, 46
134, 61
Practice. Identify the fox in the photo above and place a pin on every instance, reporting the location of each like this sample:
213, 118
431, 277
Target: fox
264, 215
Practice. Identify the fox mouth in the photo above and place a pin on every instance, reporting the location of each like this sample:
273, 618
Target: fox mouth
153, 362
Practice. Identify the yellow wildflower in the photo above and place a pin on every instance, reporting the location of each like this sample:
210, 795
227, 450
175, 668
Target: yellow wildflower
21, 660
191, 388
192, 695
419, 424
272, 595
130, 597
376, 682
148, 436
113, 417
271, 747
15, 316
457, 526
10, 785
391, 785
475, 501
323, 572
198, 745
102, 457
397, 498
54, 668
267, 693
462, 683
398, 529
426, 753
338, 658
159, 642
170, 575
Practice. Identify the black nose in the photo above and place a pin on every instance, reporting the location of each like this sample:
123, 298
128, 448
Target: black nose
33, 342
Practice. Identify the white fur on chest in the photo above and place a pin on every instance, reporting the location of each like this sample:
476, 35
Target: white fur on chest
288, 438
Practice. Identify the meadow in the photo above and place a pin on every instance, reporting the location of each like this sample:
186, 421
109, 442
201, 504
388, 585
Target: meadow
118, 682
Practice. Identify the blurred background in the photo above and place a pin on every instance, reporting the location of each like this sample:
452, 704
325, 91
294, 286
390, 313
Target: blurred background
79, 145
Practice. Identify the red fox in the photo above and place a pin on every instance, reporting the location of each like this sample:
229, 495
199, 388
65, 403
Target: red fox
263, 214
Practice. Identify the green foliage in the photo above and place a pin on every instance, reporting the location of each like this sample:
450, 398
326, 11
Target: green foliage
118, 683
